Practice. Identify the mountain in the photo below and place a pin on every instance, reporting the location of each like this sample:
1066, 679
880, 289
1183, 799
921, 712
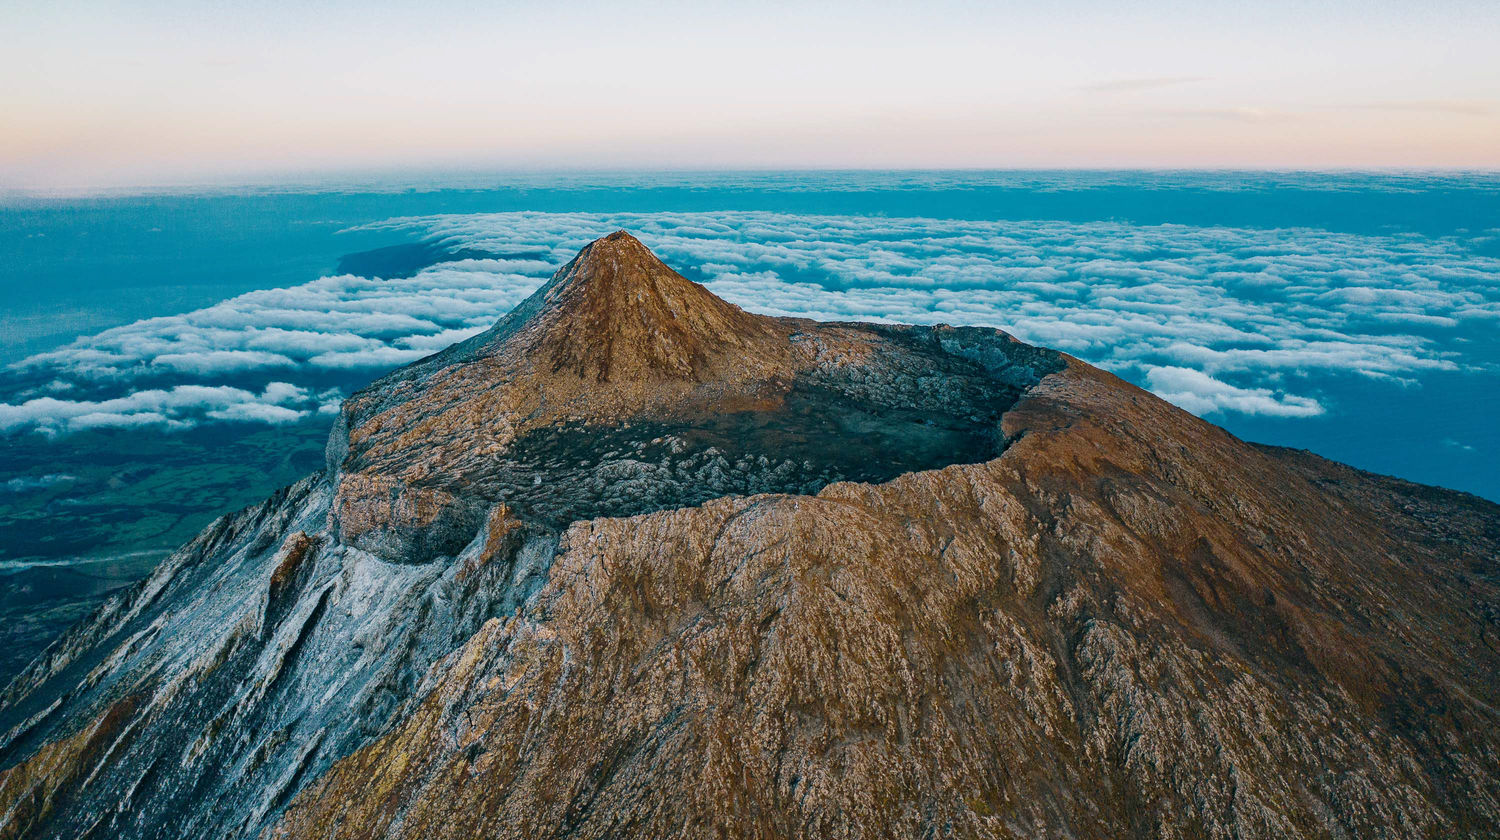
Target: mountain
637, 563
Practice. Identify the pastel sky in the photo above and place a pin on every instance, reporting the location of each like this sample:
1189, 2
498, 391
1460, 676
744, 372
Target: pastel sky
162, 91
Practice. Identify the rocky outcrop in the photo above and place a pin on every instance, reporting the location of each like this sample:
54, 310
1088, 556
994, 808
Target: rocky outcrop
1131, 624
714, 574
249, 663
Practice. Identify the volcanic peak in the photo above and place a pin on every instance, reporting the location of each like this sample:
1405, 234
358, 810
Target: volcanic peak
616, 312
621, 387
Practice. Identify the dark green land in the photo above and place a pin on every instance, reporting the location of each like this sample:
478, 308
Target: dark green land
119, 501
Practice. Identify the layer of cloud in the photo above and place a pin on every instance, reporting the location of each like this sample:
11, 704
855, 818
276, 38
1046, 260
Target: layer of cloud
179, 407
1202, 394
1265, 310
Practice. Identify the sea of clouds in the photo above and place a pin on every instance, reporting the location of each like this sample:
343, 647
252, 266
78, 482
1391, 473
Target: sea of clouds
1214, 319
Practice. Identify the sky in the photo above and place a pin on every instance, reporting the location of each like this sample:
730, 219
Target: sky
171, 91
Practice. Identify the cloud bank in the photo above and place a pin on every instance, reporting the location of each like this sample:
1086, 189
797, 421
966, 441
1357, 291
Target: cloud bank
179, 407
1200, 393
1217, 320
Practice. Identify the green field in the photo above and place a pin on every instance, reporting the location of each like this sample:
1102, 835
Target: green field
85, 514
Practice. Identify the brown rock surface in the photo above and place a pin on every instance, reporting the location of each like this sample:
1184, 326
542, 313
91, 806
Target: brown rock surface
1129, 624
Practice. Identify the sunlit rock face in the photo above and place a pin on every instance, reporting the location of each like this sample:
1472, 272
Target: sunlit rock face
637, 563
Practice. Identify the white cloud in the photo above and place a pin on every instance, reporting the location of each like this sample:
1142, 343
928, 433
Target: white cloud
218, 362
178, 407
1200, 393
375, 357
280, 393
1246, 305
256, 411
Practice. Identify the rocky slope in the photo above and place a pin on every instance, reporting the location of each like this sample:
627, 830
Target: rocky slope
638, 563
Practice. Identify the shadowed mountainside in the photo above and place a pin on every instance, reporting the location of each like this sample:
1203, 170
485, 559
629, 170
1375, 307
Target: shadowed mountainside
637, 563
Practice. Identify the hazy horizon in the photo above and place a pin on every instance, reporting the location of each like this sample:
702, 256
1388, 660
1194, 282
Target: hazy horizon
420, 178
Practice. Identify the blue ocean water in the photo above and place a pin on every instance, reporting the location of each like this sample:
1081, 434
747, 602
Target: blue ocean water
1353, 314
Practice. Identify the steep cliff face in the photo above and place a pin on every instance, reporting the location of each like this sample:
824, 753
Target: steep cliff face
638, 563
